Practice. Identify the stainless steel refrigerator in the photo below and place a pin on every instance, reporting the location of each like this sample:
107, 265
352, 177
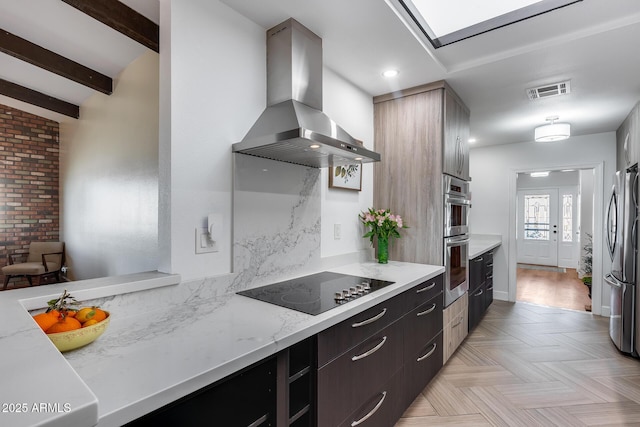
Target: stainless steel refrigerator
621, 232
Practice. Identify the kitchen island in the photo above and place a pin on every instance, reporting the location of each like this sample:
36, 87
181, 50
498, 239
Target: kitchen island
163, 343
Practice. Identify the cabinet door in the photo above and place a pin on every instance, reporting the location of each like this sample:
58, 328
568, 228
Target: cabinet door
422, 324
382, 409
347, 382
421, 367
628, 141
456, 138
488, 274
247, 398
408, 136
476, 273
476, 306
336, 340
633, 146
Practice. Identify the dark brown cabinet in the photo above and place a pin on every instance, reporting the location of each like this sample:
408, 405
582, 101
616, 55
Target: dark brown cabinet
373, 365
296, 386
363, 371
480, 287
423, 351
246, 398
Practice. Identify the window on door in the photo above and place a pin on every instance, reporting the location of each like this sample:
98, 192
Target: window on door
537, 215
567, 218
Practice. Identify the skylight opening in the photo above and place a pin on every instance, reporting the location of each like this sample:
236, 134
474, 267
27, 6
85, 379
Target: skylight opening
447, 22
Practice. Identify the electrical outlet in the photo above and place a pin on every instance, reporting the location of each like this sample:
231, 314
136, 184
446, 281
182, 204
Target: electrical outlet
337, 231
204, 243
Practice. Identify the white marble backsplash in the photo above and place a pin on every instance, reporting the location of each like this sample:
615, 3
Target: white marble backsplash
276, 230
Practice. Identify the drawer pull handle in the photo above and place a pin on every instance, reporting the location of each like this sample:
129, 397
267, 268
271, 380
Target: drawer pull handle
490, 289
370, 352
458, 322
373, 319
479, 259
425, 289
430, 310
433, 348
373, 411
479, 293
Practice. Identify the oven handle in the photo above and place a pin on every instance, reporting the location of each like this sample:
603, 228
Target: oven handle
457, 201
456, 241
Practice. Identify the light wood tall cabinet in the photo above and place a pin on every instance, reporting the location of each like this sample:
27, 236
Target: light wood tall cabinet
420, 133
628, 140
456, 137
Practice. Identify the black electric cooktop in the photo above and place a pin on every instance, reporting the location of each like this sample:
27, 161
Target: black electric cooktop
316, 293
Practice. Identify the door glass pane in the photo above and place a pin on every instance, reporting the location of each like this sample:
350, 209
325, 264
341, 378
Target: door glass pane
536, 217
567, 218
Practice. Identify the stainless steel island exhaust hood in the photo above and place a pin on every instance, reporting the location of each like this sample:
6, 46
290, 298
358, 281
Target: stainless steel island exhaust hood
293, 127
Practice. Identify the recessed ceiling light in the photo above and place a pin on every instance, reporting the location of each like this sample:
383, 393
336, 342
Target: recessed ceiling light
539, 174
390, 73
568, 170
358, 158
314, 146
472, 140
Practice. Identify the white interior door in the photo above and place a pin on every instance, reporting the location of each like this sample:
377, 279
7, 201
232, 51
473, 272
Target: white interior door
538, 228
568, 222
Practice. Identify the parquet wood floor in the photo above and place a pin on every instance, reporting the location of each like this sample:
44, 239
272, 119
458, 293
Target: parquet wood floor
553, 289
529, 365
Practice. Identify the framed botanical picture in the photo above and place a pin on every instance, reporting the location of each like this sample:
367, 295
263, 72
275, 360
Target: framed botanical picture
348, 177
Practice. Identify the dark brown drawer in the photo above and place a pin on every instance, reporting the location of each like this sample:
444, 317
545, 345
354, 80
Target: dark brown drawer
422, 293
421, 367
422, 325
382, 409
347, 382
343, 336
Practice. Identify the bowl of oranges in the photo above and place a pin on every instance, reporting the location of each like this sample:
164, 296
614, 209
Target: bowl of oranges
69, 327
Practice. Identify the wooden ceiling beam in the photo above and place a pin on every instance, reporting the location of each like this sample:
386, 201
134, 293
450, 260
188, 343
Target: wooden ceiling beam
121, 18
33, 97
51, 61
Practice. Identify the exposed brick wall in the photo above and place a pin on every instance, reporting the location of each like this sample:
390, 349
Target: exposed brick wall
29, 170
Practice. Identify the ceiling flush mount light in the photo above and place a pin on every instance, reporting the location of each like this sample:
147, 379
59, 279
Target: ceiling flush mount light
472, 140
553, 131
314, 146
539, 174
390, 73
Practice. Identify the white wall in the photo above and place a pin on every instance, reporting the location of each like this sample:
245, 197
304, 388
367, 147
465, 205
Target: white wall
109, 177
553, 180
352, 109
493, 170
586, 214
213, 88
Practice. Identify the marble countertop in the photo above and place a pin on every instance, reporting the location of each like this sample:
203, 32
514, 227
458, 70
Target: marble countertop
481, 243
163, 342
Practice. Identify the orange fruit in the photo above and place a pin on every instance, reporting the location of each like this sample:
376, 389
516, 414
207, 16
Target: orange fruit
63, 325
86, 313
46, 320
89, 323
100, 314
70, 313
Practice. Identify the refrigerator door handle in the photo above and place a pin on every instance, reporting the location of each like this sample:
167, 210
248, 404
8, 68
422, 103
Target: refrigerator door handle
612, 204
612, 281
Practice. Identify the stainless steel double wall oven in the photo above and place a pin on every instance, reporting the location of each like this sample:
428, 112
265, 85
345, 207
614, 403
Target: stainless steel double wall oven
457, 202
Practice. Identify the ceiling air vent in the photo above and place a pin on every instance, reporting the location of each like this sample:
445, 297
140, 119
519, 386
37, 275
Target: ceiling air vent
547, 91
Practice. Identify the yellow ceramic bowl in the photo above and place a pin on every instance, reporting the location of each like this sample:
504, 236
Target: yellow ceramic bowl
77, 338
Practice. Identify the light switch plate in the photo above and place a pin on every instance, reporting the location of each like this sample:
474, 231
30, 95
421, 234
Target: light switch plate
337, 231
204, 244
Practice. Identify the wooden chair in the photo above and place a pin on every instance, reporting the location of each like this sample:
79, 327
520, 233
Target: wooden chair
44, 259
